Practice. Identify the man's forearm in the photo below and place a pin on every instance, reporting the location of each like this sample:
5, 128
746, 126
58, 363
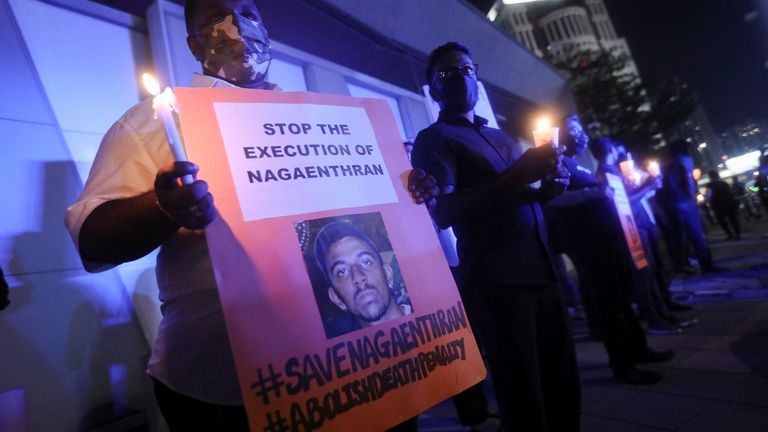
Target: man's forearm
454, 206
125, 229
575, 197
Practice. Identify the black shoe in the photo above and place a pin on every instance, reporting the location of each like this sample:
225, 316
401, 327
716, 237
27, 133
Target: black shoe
651, 356
715, 269
681, 322
661, 327
638, 376
678, 307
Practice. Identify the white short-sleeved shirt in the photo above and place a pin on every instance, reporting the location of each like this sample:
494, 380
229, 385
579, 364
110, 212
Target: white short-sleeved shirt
191, 354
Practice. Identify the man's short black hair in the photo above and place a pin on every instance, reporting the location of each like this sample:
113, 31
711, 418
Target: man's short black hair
334, 232
441, 51
189, 12
600, 147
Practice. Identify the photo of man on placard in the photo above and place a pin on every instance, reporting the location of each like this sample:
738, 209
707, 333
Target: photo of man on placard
356, 279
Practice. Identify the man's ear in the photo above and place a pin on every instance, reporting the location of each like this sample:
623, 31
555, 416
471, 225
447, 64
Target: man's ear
335, 299
195, 48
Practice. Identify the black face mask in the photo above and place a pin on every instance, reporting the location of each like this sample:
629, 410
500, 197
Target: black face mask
458, 94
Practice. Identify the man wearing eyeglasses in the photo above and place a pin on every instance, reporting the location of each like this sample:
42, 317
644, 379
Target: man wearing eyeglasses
485, 195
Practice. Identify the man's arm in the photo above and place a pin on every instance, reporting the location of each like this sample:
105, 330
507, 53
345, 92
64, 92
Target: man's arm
126, 229
452, 205
580, 196
638, 193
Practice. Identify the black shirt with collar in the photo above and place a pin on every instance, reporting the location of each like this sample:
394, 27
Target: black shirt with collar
506, 243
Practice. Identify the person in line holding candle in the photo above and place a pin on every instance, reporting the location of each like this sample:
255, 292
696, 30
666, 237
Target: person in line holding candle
650, 216
677, 197
651, 305
483, 179
724, 205
585, 222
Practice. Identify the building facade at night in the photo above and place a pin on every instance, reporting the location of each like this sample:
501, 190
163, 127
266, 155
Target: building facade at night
559, 29
75, 344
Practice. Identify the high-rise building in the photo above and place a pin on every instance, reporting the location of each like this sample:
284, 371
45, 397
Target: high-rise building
558, 29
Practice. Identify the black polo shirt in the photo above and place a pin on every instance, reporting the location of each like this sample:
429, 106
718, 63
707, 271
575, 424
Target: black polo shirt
506, 243
592, 222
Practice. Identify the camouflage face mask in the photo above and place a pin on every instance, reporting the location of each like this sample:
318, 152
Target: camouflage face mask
237, 50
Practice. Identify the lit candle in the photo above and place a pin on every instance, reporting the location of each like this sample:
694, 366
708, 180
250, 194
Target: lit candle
545, 134
653, 168
627, 167
696, 174
165, 104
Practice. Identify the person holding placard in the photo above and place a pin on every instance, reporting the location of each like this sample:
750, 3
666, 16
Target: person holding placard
134, 202
483, 179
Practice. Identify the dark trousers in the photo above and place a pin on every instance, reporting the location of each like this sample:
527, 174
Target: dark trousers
183, 413
605, 281
651, 305
728, 218
471, 404
685, 228
530, 352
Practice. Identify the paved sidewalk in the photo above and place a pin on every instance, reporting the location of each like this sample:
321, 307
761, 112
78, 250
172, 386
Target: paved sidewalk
717, 382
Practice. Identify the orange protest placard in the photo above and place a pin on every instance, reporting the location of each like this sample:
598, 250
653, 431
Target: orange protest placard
627, 219
340, 307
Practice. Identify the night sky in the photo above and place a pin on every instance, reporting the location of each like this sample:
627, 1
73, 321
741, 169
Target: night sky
707, 44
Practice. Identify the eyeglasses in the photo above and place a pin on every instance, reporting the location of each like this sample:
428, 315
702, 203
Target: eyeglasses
469, 69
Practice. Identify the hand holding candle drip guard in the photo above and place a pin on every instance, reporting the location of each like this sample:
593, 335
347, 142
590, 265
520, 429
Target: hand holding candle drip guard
182, 198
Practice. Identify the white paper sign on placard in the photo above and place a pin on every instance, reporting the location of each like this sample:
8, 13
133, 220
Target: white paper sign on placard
278, 150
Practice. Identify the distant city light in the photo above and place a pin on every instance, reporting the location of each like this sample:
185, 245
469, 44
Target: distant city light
744, 163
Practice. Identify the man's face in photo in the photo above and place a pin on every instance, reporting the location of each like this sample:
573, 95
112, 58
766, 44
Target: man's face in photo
360, 282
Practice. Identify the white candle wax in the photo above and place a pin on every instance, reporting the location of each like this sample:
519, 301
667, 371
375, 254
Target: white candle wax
545, 136
164, 107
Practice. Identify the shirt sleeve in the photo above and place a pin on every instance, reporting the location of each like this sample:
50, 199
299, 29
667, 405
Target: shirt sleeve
435, 155
126, 163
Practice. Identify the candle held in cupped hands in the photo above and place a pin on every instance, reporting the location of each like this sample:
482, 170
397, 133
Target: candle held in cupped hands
545, 133
165, 104
653, 168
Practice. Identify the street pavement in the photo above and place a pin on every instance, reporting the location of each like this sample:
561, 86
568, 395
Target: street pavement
718, 380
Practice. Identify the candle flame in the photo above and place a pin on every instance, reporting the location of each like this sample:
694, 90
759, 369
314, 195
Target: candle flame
150, 84
543, 123
653, 168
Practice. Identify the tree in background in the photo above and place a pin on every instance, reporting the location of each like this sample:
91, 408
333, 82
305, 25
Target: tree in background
613, 101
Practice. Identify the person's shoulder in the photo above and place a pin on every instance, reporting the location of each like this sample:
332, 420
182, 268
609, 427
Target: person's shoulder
432, 135
138, 116
498, 134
